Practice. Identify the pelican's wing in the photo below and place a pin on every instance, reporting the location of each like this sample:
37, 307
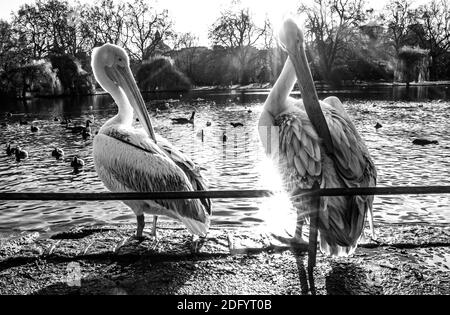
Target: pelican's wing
191, 170
341, 218
142, 166
299, 144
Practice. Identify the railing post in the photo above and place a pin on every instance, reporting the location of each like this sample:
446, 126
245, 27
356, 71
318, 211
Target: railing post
313, 230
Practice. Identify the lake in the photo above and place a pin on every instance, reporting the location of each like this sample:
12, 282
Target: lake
421, 112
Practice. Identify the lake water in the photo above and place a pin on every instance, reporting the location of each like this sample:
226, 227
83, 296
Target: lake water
237, 164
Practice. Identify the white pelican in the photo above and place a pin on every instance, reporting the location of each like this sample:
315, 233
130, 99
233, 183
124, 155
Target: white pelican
135, 160
317, 143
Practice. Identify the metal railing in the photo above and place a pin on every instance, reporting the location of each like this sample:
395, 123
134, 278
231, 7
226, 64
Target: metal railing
224, 194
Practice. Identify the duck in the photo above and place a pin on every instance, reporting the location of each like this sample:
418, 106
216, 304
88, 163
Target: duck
66, 121
423, 142
34, 129
77, 163
86, 134
80, 129
237, 124
20, 154
58, 153
10, 151
184, 121
378, 126
208, 124
224, 137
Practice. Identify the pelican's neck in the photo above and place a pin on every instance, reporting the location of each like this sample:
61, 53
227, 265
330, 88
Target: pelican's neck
125, 111
276, 101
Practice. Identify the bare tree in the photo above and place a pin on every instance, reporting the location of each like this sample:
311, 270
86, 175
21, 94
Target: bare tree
106, 23
148, 28
186, 48
332, 25
433, 30
397, 15
236, 30
27, 22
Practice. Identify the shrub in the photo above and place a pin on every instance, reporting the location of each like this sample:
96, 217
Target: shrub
160, 74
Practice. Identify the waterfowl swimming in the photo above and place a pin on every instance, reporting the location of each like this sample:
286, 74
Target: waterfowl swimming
58, 153
34, 129
237, 124
77, 163
20, 154
10, 151
208, 124
224, 137
65, 121
184, 121
80, 129
378, 126
128, 159
423, 142
86, 134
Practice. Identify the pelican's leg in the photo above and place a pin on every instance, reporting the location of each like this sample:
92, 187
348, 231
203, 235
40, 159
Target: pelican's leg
140, 226
197, 243
155, 221
297, 240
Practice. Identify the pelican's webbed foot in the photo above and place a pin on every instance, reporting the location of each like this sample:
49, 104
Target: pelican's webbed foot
197, 243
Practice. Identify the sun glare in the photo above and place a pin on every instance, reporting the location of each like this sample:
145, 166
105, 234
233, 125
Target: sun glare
276, 211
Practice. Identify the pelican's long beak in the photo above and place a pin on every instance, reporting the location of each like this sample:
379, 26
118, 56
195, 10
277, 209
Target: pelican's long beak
124, 78
292, 40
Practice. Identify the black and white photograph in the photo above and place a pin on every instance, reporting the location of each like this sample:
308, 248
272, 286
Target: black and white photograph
201, 149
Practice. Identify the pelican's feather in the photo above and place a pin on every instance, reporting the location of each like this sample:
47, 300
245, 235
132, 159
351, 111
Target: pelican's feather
128, 159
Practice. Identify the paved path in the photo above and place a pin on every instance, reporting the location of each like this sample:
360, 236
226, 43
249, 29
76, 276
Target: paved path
405, 260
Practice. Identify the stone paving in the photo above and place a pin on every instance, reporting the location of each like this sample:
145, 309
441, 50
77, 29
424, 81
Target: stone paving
405, 259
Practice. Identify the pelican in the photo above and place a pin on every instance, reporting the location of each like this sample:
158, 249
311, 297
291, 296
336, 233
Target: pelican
184, 121
135, 160
318, 144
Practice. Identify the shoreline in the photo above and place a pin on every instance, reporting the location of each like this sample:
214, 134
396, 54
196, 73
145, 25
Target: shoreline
321, 86
405, 259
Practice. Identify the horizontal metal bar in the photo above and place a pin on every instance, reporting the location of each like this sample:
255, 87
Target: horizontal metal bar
224, 194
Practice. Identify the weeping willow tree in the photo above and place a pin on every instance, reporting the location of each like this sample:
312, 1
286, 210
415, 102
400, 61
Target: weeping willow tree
38, 78
160, 74
412, 65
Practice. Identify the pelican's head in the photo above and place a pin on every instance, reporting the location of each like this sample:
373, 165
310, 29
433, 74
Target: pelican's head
291, 37
111, 67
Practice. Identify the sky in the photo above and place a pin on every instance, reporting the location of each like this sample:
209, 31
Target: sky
196, 16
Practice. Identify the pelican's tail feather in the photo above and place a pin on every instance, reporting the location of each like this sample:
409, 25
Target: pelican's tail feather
335, 250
